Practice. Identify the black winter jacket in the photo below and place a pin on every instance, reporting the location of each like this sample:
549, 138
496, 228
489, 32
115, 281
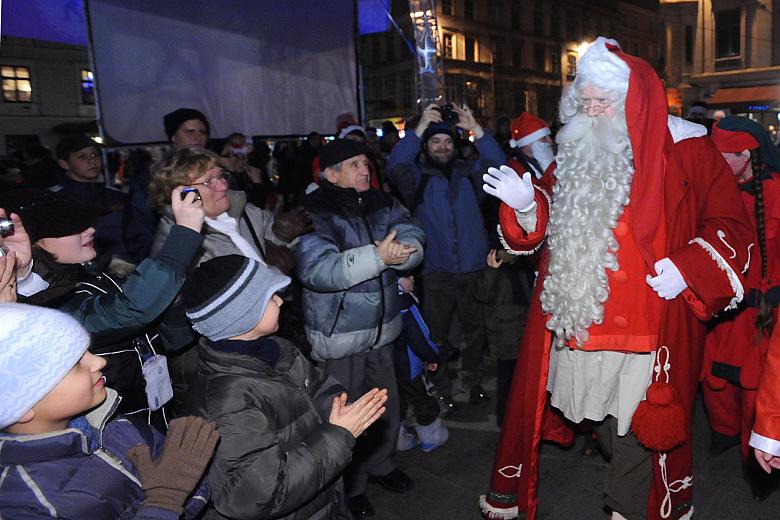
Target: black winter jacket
278, 456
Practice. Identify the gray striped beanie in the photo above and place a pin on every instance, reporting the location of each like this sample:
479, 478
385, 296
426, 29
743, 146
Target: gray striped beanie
227, 295
38, 347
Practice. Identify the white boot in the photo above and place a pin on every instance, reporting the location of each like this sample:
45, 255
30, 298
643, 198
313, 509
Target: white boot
406, 440
432, 435
618, 516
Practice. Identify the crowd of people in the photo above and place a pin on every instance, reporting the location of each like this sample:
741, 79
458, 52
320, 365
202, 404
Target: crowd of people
197, 345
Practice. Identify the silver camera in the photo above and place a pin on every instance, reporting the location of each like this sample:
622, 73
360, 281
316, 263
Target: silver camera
6, 229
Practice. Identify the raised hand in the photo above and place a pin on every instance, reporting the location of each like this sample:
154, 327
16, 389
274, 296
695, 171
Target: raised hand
492, 259
188, 212
431, 114
7, 277
392, 252
361, 414
20, 244
505, 184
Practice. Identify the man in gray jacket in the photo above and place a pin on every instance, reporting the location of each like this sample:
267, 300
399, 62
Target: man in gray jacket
349, 269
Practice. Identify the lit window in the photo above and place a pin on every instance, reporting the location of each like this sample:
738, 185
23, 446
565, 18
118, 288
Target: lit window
16, 84
448, 46
87, 87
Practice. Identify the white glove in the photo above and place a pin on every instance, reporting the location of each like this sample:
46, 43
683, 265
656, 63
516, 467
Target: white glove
669, 283
506, 185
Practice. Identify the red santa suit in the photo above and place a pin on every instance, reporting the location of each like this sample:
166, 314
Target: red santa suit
766, 430
684, 205
735, 349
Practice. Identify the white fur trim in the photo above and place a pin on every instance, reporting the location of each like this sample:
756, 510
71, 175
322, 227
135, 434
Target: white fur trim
601, 67
688, 515
522, 253
765, 444
682, 129
530, 138
736, 285
495, 513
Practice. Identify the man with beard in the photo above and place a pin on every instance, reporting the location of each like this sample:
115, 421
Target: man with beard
441, 191
646, 239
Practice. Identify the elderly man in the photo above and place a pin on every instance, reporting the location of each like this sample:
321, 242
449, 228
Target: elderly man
646, 238
349, 269
442, 191
532, 145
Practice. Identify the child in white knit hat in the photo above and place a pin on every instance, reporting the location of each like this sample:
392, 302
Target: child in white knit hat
61, 456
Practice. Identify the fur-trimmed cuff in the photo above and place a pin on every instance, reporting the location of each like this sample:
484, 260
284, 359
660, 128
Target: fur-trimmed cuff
765, 444
736, 285
539, 246
496, 513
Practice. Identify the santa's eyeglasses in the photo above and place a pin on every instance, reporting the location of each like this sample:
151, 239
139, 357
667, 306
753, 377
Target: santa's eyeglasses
594, 105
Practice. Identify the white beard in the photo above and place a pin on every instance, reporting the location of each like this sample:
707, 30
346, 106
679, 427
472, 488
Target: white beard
595, 169
543, 153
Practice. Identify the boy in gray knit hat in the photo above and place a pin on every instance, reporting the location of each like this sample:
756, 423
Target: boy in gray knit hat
286, 429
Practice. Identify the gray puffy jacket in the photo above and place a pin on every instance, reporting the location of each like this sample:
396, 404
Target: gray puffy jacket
350, 297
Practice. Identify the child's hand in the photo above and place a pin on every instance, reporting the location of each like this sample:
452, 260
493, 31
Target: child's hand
188, 212
19, 243
171, 477
431, 367
492, 259
361, 414
406, 283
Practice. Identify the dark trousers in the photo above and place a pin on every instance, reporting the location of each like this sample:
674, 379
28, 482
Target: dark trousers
374, 450
426, 408
443, 294
630, 470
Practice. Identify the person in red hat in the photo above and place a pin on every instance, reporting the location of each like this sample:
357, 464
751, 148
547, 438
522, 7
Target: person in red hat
644, 239
736, 347
532, 148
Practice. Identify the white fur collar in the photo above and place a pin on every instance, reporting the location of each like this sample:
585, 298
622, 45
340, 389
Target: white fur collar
682, 129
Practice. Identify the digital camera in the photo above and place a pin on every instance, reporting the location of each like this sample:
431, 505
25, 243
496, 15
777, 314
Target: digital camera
448, 115
185, 191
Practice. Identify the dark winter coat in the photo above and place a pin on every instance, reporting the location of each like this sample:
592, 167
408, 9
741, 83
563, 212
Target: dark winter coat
77, 474
278, 456
449, 208
350, 297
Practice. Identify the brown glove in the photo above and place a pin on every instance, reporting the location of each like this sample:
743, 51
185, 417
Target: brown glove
294, 223
170, 479
280, 257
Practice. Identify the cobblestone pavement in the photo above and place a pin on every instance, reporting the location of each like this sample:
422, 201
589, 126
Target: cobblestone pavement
449, 480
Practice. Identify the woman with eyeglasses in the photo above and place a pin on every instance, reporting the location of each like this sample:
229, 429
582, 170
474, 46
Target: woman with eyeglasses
233, 226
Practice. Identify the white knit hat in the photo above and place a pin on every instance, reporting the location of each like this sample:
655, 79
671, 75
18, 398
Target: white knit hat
600, 67
38, 347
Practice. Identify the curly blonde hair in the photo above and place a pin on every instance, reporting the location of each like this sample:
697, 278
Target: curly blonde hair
178, 169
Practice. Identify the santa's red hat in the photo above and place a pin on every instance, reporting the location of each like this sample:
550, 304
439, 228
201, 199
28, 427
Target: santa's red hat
526, 129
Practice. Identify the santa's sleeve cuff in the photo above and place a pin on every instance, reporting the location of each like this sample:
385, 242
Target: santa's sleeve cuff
765, 444
736, 284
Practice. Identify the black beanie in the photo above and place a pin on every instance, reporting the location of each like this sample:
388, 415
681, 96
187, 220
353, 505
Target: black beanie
340, 150
438, 128
227, 295
173, 120
48, 214
73, 143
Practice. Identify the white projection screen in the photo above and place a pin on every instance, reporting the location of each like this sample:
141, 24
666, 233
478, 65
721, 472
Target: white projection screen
260, 67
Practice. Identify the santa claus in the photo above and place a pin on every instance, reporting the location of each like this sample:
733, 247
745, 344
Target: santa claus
643, 239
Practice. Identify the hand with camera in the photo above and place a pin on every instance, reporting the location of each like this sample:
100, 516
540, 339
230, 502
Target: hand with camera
467, 121
7, 277
16, 239
187, 208
431, 114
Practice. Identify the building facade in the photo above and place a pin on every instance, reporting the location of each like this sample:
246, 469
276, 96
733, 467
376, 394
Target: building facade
48, 89
726, 53
502, 57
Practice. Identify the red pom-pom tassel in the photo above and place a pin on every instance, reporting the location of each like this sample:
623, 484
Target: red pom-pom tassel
659, 421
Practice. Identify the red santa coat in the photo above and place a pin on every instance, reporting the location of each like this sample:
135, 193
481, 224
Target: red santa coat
684, 205
735, 350
766, 430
